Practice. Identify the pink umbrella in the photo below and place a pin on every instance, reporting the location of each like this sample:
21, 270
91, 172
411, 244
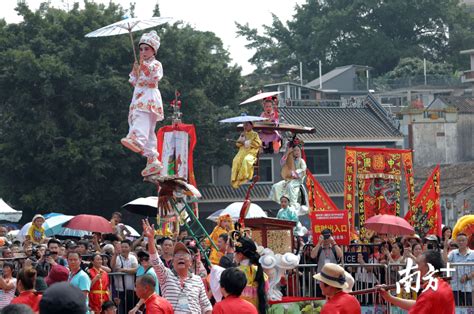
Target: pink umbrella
389, 224
92, 223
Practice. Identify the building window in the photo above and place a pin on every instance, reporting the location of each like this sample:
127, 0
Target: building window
318, 161
265, 170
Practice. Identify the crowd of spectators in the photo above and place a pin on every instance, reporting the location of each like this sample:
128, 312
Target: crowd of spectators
112, 273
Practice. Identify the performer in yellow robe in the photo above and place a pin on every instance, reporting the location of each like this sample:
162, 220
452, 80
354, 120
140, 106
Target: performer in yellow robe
224, 225
249, 144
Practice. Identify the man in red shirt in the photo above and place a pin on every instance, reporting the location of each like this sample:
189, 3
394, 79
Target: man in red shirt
30, 298
332, 280
145, 289
26, 287
233, 282
439, 300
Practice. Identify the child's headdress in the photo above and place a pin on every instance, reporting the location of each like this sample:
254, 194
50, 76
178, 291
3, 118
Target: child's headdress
151, 39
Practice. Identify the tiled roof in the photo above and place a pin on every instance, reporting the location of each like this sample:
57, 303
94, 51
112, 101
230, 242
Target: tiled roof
341, 124
454, 178
464, 104
212, 193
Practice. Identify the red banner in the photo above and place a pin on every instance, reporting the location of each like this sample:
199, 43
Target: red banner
426, 217
186, 160
335, 220
350, 186
176, 145
318, 198
378, 174
407, 159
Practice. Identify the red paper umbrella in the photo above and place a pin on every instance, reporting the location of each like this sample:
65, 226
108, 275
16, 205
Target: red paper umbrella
389, 224
91, 223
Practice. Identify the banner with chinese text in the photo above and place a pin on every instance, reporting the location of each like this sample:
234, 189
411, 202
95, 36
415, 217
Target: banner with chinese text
407, 159
350, 186
377, 172
335, 220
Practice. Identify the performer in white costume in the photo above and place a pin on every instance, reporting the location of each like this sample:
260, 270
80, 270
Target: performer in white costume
293, 181
146, 108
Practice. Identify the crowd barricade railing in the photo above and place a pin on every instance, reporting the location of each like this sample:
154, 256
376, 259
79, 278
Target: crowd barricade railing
367, 276
127, 301
302, 284
463, 291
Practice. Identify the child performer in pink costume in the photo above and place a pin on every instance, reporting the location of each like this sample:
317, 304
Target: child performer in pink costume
270, 139
146, 108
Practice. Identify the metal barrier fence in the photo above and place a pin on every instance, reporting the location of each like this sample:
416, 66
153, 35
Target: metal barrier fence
302, 284
121, 290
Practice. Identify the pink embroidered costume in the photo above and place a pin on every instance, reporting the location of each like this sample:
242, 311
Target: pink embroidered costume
146, 108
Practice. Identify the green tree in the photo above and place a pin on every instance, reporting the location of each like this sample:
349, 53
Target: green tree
410, 72
409, 67
64, 106
369, 32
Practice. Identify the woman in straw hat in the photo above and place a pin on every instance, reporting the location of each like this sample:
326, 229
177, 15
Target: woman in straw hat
332, 280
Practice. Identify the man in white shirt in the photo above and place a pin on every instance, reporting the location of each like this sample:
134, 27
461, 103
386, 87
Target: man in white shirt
462, 280
126, 263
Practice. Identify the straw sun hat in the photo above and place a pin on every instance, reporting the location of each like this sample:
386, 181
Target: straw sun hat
332, 275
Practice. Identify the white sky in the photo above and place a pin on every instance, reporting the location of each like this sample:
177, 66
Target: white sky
217, 16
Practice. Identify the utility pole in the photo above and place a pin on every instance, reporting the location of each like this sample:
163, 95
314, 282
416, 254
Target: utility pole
301, 73
320, 76
424, 69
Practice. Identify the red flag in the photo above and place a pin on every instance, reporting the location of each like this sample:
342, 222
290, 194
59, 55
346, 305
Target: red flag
426, 217
317, 197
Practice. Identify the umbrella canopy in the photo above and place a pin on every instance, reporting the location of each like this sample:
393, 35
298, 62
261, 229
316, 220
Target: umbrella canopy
214, 215
12, 234
145, 206
129, 25
284, 127
21, 235
389, 224
53, 226
49, 215
133, 232
260, 96
9, 214
233, 210
243, 118
92, 223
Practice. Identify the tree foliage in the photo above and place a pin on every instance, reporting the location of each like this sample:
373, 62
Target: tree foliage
409, 67
64, 106
377, 33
